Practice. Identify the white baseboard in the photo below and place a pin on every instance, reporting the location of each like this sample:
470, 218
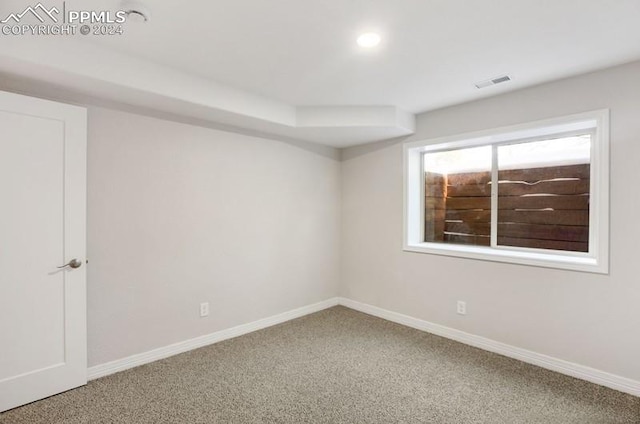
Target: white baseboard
187, 345
582, 372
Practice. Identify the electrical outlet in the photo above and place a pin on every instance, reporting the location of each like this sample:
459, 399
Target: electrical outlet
204, 309
462, 307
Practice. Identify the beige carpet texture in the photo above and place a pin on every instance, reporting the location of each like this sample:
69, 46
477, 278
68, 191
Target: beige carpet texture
335, 366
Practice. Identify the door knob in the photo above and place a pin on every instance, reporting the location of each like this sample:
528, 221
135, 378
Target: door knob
73, 263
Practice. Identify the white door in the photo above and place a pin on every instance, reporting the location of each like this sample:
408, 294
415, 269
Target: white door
42, 227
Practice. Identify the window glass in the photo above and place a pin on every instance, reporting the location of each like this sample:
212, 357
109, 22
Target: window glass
458, 196
543, 194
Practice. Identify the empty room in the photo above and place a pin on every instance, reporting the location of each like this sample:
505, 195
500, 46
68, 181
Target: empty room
319, 211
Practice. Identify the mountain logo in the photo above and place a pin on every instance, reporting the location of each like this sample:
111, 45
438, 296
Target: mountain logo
39, 11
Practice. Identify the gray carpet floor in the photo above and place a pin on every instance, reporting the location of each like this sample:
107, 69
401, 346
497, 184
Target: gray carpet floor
335, 366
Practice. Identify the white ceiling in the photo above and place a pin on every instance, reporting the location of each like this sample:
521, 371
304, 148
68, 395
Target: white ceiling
292, 53
304, 52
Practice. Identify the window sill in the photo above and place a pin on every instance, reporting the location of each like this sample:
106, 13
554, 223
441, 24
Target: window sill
556, 260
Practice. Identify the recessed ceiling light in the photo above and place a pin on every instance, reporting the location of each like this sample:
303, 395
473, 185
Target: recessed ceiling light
368, 40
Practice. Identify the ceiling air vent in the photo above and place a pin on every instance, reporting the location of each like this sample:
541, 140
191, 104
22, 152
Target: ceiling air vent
493, 81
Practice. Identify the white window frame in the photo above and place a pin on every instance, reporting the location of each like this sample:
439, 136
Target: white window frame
596, 260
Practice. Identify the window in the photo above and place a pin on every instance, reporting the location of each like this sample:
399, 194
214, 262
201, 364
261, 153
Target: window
534, 194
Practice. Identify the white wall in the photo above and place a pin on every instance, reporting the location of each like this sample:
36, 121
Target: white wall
180, 214
588, 319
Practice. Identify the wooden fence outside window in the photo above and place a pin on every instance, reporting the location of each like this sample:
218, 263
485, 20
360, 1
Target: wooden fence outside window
545, 208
